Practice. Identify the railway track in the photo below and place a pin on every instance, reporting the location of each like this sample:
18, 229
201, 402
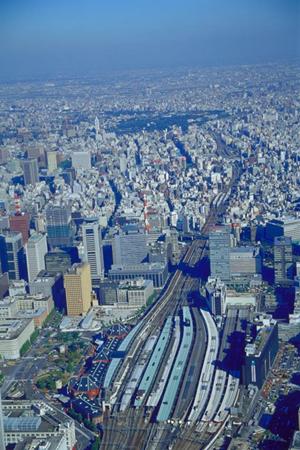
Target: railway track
140, 432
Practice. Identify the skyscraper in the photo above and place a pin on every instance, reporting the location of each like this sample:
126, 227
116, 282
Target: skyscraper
283, 259
216, 296
36, 249
219, 253
97, 125
59, 225
130, 248
93, 249
78, 286
20, 222
30, 171
52, 161
12, 255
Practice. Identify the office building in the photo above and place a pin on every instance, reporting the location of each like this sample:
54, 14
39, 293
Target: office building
288, 227
216, 296
159, 251
135, 293
35, 425
36, 249
13, 335
108, 292
81, 160
4, 283
78, 287
12, 255
57, 261
27, 306
245, 261
130, 248
93, 250
50, 285
4, 155
59, 225
283, 259
261, 350
21, 223
17, 287
219, 253
157, 272
30, 171
2, 444
52, 161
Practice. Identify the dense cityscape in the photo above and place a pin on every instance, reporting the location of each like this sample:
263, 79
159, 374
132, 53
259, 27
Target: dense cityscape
150, 260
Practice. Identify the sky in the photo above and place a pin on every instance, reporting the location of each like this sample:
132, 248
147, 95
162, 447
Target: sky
82, 37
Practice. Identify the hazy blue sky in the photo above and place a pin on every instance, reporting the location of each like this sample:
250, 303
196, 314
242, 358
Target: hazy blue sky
77, 36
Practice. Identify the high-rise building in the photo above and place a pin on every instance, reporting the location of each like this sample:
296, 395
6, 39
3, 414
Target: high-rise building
2, 446
36, 249
21, 223
219, 253
81, 160
52, 161
30, 171
288, 226
59, 225
130, 248
93, 249
78, 286
245, 261
97, 125
57, 261
260, 350
50, 286
283, 259
216, 296
12, 255
4, 155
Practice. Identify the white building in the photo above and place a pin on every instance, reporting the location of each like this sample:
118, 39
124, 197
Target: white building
216, 295
93, 249
36, 249
13, 335
135, 293
52, 161
81, 160
35, 424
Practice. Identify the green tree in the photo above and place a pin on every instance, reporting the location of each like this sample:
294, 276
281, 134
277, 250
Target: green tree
25, 347
96, 444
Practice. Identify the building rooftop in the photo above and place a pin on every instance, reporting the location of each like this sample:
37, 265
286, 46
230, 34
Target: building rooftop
12, 328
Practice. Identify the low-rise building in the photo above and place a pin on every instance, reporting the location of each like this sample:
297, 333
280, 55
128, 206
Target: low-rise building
135, 292
37, 307
14, 333
157, 272
35, 421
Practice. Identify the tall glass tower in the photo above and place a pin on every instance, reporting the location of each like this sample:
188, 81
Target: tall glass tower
219, 253
59, 225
